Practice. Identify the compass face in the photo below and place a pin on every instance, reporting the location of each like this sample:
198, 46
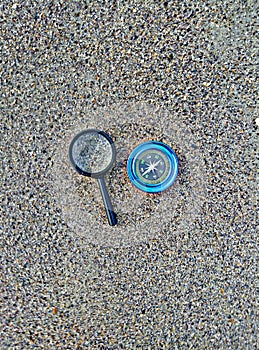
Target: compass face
152, 166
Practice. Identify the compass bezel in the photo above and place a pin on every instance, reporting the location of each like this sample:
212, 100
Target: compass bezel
139, 181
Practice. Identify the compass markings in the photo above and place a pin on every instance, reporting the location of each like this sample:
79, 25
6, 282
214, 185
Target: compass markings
152, 166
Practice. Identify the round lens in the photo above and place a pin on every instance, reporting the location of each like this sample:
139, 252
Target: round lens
91, 152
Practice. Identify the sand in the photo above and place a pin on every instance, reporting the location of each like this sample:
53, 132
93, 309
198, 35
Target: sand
178, 271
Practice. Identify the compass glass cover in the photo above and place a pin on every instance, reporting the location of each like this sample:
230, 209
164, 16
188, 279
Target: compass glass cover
152, 166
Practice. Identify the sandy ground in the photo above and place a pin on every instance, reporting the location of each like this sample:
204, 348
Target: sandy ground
178, 271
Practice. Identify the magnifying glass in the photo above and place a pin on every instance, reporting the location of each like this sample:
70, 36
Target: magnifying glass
92, 153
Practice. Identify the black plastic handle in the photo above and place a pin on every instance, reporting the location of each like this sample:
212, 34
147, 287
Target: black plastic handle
107, 202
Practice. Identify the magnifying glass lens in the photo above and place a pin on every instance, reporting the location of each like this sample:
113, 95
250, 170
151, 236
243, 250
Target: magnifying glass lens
92, 152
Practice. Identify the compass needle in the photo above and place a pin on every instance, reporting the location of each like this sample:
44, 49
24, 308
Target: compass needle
147, 171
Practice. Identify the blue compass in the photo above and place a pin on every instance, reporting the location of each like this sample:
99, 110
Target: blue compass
152, 166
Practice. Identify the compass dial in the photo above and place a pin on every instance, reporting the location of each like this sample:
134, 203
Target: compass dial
152, 166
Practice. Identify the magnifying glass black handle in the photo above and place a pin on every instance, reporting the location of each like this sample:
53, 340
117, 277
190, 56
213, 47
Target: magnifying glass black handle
107, 202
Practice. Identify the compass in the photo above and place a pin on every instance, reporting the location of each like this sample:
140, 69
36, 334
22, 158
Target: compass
152, 166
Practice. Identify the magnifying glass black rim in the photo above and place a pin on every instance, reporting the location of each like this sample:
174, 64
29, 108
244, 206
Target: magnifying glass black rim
85, 173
